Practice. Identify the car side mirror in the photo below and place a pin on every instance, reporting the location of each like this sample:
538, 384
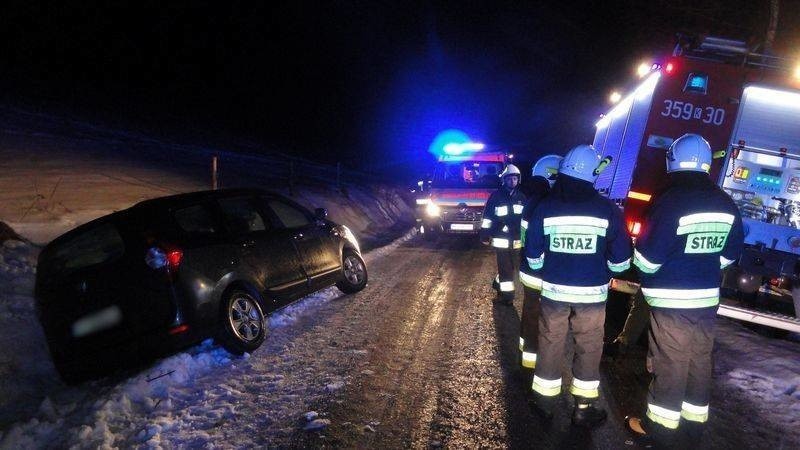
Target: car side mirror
320, 213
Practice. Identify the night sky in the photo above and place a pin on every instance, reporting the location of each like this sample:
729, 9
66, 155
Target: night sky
367, 83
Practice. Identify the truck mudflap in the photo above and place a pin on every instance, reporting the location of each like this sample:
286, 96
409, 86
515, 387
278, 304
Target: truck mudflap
730, 308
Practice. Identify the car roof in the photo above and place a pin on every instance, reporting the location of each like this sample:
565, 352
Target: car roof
170, 201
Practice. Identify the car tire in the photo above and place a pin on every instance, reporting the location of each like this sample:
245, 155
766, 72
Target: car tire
354, 273
243, 324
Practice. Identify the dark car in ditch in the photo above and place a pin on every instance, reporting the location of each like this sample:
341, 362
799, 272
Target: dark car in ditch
169, 272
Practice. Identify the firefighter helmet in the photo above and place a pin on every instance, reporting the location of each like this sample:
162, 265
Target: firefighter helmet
581, 162
510, 170
547, 167
689, 152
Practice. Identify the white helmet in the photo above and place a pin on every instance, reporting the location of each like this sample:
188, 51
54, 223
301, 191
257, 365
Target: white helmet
582, 163
510, 170
689, 152
547, 167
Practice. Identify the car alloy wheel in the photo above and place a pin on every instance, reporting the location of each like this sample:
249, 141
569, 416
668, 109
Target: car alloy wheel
354, 270
246, 318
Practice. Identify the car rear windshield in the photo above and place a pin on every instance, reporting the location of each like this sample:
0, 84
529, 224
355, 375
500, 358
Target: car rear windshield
94, 246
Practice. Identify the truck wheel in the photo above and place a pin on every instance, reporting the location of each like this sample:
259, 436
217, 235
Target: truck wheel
354, 273
243, 325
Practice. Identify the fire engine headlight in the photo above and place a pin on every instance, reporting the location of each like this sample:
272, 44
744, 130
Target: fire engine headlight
432, 209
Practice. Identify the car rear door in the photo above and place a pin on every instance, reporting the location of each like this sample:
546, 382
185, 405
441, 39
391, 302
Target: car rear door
269, 251
317, 244
91, 290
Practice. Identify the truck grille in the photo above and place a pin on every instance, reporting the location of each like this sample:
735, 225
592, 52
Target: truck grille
462, 214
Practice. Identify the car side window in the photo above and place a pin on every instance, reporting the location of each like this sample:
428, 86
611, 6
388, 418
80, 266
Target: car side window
195, 219
289, 215
240, 215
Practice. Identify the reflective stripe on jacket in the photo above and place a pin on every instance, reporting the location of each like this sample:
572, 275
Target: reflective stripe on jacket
692, 231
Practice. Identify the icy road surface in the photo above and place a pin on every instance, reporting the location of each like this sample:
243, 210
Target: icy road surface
419, 359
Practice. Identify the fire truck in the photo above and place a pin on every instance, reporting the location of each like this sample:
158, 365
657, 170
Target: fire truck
464, 177
747, 106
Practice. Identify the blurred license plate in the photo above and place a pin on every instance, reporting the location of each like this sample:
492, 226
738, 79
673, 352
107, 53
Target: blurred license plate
461, 226
97, 321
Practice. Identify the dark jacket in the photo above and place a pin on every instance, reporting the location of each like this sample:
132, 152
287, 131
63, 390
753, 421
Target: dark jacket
538, 188
501, 218
692, 231
576, 238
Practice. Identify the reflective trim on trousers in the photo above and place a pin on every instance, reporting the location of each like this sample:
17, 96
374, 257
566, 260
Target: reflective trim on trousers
523, 224
530, 281
517, 209
500, 243
548, 388
517, 244
506, 286
663, 416
521, 343
643, 264
575, 294
529, 360
619, 267
681, 298
536, 263
486, 223
694, 413
725, 262
501, 211
587, 389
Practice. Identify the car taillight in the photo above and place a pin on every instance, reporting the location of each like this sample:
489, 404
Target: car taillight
158, 258
634, 227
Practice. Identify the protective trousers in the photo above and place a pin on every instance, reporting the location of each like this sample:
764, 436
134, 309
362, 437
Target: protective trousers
507, 268
556, 319
529, 327
680, 358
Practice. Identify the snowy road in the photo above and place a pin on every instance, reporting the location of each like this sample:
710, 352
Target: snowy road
419, 359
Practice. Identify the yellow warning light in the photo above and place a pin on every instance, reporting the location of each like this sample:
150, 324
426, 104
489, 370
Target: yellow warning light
643, 69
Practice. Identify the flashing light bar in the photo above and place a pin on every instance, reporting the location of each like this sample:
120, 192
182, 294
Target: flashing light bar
644, 89
459, 148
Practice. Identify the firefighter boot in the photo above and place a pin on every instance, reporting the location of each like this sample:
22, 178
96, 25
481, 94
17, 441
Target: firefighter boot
543, 406
648, 434
586, 414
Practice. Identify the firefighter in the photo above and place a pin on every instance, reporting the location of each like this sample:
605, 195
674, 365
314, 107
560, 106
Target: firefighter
500, 228
575, 238
543, 175
692, 231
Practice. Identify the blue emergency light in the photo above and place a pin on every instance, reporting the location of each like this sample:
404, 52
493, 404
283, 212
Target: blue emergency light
697, 82
453, 142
